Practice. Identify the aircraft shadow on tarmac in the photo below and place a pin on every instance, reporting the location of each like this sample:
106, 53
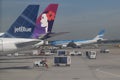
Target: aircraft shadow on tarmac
14, 62
21, 58
18, 67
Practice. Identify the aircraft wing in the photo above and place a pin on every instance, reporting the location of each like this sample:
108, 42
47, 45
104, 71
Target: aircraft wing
56, 34
26, 44
49, 35
109, 41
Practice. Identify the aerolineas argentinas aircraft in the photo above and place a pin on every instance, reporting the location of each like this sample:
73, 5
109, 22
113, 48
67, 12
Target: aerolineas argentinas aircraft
64, 43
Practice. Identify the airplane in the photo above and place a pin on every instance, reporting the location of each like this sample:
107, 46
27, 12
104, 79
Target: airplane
27, 30
64, 43
45, 22
23, 25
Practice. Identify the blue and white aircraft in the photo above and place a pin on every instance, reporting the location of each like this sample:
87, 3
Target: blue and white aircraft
64, 43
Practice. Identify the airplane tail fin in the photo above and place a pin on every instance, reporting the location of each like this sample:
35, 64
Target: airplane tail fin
24, 25
100, 35
45, 21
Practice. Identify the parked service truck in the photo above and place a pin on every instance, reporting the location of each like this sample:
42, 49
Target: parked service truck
91, 54
75, 53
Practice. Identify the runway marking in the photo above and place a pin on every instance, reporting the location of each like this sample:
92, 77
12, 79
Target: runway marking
108, 73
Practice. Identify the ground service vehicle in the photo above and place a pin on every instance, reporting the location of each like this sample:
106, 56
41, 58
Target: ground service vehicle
91, 54
59, 60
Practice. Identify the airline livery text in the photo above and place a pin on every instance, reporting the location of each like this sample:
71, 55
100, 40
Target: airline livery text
22, 29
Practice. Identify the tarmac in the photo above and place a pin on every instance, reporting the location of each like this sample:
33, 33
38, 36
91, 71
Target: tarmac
106, 66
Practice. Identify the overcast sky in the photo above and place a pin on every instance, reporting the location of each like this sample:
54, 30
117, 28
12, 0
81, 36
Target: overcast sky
82, 18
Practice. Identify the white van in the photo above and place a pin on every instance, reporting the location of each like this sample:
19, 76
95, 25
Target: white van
75, 53
91, 54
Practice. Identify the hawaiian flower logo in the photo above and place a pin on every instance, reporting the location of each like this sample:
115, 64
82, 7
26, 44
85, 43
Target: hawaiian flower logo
50, 15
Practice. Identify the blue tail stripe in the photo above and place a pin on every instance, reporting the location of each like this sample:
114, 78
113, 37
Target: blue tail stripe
101, 32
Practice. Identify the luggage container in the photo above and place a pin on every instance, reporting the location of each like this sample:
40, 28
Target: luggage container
66, 60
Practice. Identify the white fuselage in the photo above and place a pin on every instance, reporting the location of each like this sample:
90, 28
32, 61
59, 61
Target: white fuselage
9, 44
1, 34
79, 43
64, 43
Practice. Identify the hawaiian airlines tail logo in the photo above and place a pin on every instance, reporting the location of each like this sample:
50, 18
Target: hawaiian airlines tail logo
22, 29
44, 23
46, 19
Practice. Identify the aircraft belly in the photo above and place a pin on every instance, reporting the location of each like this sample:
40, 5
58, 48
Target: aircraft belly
6, 47
1, 45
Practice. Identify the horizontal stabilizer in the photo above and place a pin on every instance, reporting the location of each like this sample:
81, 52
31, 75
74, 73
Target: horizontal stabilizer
26, 44
49, 35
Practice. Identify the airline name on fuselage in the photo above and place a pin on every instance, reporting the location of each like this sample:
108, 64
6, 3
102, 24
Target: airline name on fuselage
22, 29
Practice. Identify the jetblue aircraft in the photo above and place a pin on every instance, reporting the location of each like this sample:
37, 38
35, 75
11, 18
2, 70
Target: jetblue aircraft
64, 43
27, 30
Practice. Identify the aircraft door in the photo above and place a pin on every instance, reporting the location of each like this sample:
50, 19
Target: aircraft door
1, 45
